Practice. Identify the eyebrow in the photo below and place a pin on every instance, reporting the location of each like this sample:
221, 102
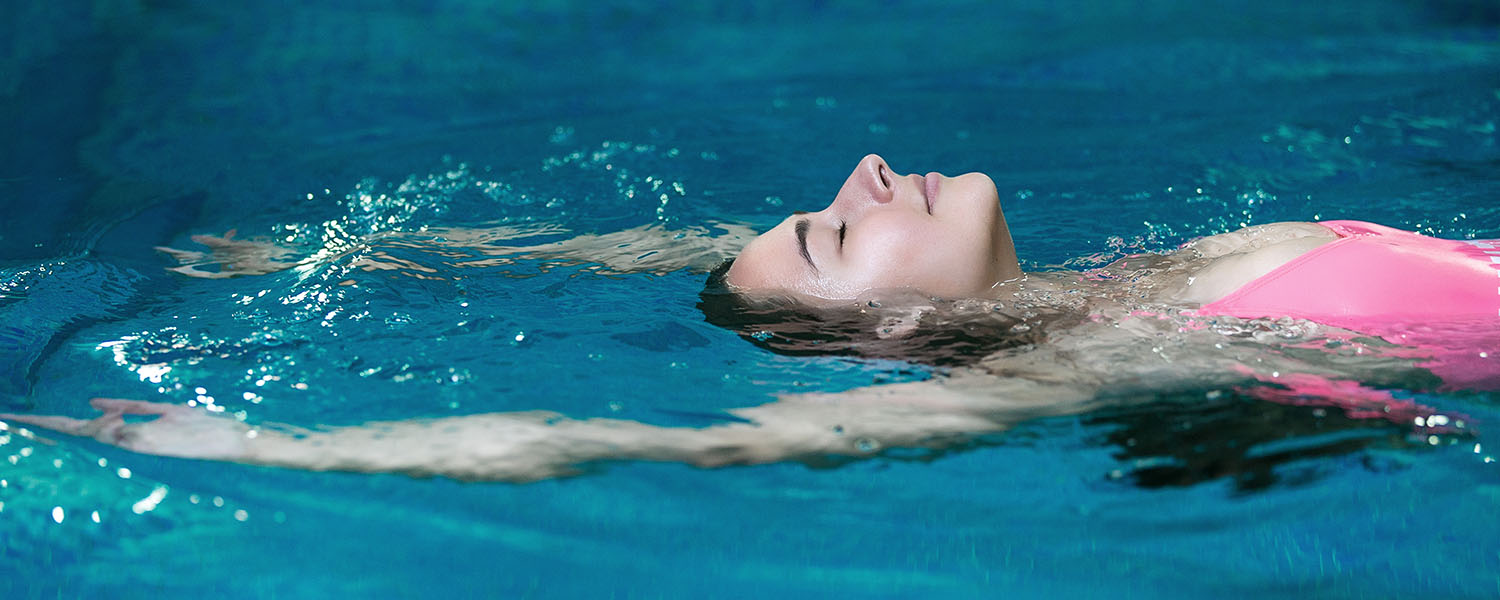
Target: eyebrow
802, 226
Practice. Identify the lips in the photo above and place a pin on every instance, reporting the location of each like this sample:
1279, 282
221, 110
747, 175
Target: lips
930, 190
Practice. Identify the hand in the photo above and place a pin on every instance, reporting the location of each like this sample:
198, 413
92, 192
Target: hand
176, 431
234, 257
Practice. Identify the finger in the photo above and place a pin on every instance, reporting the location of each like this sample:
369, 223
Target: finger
180, 255
66, 425
192, 271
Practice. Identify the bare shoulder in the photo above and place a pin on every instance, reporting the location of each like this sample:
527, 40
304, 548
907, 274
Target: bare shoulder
1256, 237
1213, 267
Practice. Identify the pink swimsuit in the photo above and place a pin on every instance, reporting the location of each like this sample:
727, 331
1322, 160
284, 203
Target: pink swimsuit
1441, 296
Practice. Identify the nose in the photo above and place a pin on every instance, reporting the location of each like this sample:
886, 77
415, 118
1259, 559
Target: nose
876, 177
871, 185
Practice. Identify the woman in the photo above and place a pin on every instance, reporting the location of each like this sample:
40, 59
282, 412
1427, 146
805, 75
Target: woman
879, 254
947, 236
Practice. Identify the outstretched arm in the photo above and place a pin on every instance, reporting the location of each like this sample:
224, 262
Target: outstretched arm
529, 446
645, 249
1070, 375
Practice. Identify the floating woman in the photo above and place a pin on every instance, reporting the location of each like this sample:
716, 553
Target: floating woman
924, 268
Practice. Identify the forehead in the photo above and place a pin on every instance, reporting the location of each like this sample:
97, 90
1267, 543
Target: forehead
772, 261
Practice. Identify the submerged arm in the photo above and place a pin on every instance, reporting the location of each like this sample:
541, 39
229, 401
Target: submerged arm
648, 248
860, 423
645, 249
1107, 363
230, 257
529, 446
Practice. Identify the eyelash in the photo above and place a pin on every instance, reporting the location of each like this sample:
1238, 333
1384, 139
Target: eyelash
843, 227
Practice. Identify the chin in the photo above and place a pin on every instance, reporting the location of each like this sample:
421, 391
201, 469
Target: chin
982, 184
973, 197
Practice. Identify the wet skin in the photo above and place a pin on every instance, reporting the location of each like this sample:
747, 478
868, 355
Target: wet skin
941, 235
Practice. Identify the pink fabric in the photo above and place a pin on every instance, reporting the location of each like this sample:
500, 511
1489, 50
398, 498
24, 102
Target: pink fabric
1373, 274
1356, 400
1440, 296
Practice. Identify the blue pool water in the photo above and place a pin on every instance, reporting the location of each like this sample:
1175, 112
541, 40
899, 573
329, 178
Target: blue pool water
1109, 128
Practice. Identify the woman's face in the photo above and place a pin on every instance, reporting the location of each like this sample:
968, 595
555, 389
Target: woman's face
942, 235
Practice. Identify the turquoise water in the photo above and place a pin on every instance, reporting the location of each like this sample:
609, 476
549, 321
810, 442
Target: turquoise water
1108, 130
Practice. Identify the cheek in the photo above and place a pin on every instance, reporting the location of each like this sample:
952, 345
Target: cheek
928, 256
895, 256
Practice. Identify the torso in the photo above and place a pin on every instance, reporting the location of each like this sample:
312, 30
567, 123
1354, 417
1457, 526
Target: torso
1434, 300
1349, 274
1211, 268
1198, 273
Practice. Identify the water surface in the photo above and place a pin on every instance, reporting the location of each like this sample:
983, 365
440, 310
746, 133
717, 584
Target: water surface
1108, 130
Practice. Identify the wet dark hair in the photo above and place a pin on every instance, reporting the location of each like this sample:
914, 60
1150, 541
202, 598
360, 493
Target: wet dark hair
1174, 439
953, 334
